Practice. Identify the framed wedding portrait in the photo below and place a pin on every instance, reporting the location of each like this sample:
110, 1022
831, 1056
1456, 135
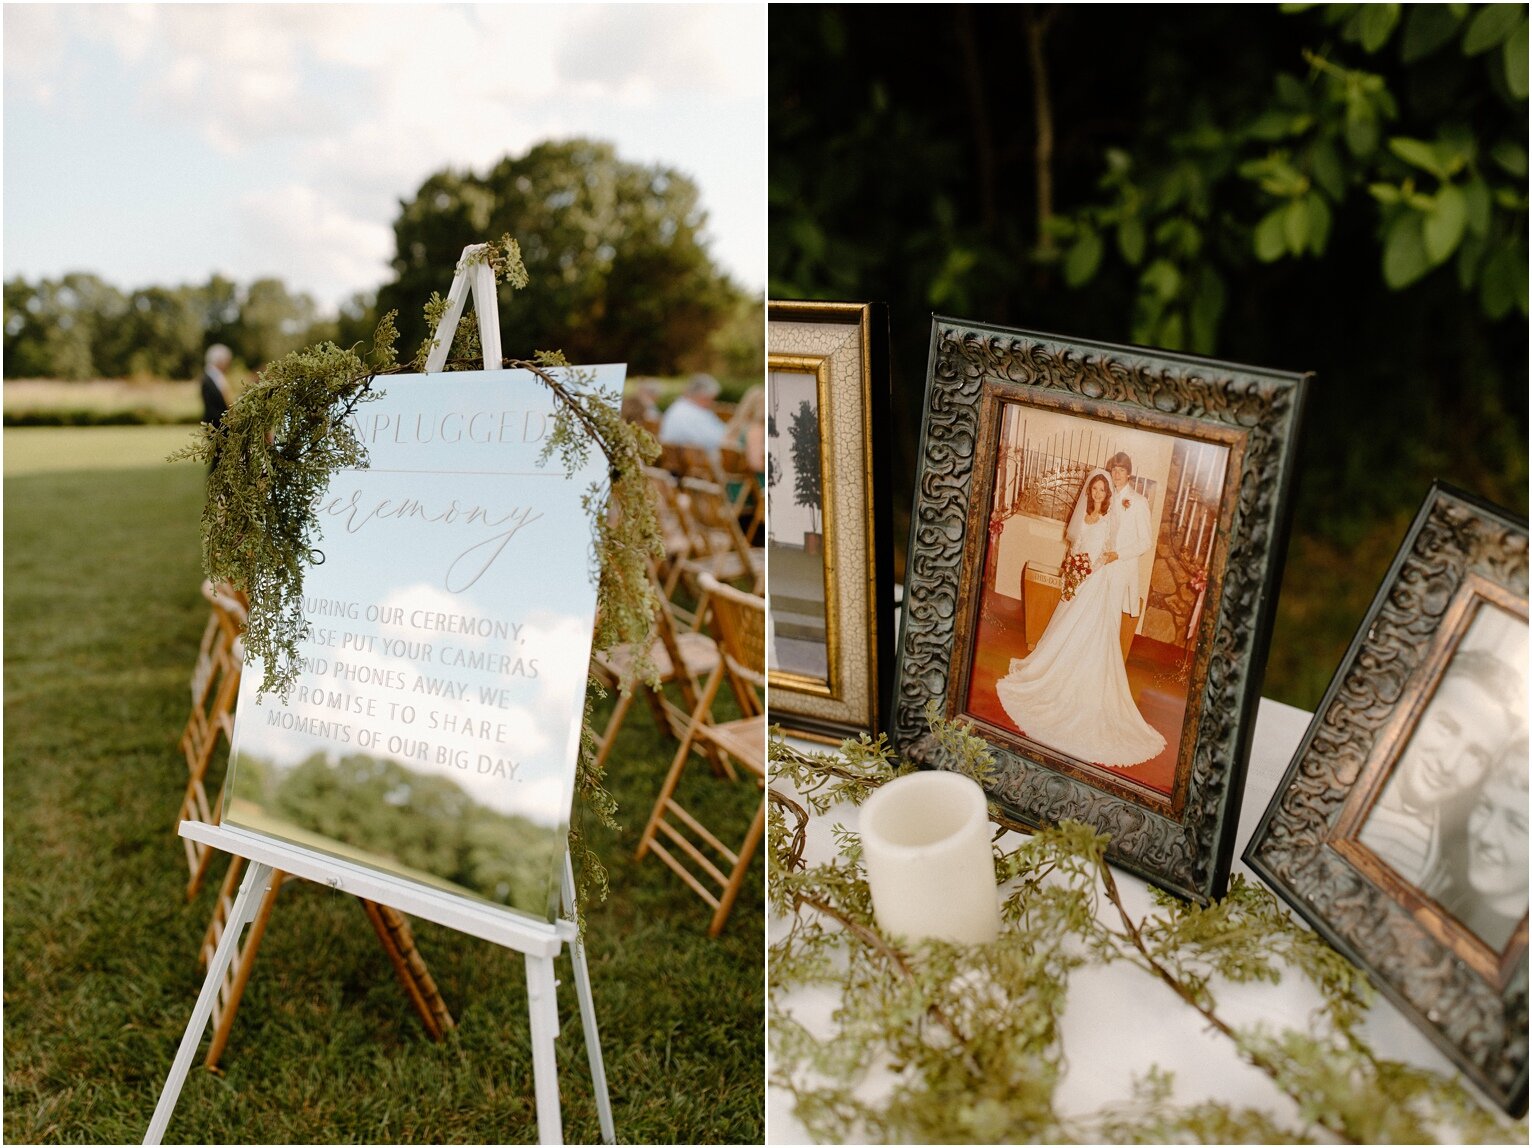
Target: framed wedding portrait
1400, 829
828, 541
1095, 541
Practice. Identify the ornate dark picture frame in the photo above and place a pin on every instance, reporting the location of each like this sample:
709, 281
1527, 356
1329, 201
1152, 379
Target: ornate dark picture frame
830, 560
1463, 564
1178, 834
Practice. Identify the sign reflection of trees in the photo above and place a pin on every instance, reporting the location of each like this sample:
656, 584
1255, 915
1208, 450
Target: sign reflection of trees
424, 821
807, 490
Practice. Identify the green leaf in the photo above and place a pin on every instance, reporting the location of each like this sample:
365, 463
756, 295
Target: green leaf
1419, 154
1291, 90
1498, 287
1404, 252
1083, 258
1162, 279
1319, 223
1427, 28
1270, 239
1179, 237
1476, 201
1377, 24
1385, 193
1491, 26
1295, 225
1511, 156
1326, 170
1515, 56
1361, 128
1443, 229
1131, 240
1272, 124
1173, 332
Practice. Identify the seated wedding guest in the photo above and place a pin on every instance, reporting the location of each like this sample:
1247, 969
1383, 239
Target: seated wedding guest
1487, 885
690, 421
1476, 708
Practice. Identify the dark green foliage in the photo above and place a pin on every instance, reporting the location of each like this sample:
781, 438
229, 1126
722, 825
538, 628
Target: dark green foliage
1210, 179
616, 250
102, 618
974, 1030
80, 327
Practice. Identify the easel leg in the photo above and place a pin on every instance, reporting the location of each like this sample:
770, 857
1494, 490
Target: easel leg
244, 908
588, 1017
542, 1003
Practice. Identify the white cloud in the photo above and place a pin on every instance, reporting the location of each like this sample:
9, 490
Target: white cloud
359, 103
298, 233
37, 64
633, 52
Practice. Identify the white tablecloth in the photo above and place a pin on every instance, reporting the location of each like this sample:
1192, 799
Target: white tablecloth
1120, 1021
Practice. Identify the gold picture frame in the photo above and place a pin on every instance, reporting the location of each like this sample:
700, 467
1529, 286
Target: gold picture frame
829, 553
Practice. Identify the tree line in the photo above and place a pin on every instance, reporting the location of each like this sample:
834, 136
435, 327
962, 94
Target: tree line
620, 272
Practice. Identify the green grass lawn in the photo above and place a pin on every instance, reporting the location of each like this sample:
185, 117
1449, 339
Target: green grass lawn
102, 618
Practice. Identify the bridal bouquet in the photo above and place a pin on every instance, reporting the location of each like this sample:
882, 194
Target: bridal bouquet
1075, 570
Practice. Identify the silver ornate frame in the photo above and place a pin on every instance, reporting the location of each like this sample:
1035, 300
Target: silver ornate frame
1187, 849
1458, 547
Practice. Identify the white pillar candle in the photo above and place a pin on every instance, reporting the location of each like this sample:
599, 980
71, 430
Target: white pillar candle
926, 849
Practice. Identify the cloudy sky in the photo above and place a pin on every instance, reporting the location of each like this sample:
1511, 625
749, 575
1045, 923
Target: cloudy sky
157, 144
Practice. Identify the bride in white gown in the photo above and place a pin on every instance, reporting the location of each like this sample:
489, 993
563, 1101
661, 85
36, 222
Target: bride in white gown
1071, 692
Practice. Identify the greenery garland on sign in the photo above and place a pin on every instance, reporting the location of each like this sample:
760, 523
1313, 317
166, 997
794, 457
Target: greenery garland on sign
279, 445
974, 1031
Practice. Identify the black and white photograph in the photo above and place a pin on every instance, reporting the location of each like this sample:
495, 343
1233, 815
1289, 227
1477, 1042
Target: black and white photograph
1451, 817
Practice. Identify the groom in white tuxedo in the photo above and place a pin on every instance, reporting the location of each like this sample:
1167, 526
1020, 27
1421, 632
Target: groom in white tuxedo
1130, 510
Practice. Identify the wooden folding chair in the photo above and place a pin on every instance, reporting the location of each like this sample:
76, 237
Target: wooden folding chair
750, 500
674, 834
393, 930
675, 528
682, 658
215, 689
719, 546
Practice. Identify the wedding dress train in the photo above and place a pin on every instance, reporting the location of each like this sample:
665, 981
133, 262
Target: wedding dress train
1071, 693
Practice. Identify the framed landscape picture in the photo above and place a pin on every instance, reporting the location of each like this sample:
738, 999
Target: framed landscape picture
829, 548
1400, 830
1092, 567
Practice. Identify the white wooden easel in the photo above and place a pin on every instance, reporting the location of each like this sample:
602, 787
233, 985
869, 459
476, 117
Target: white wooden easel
539, 942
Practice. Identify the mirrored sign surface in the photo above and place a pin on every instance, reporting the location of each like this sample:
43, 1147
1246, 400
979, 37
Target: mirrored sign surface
434, 730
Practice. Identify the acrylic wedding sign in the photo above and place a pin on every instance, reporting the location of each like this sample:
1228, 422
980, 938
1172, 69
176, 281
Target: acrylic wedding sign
434, 729
425, 758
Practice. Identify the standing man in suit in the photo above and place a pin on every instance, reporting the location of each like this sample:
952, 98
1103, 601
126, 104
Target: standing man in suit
215, 388
1130, 512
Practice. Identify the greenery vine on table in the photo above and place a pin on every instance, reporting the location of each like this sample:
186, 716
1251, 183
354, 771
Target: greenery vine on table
973, 1033
284, 438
